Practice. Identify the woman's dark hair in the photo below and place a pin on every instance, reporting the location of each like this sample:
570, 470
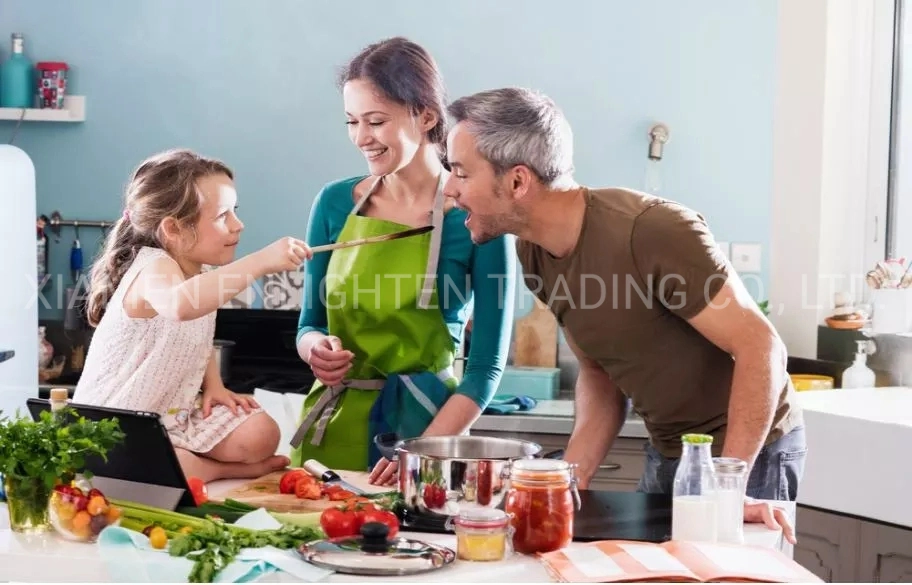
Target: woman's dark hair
405, 73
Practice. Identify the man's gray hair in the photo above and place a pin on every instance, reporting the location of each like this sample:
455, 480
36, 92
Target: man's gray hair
518, 126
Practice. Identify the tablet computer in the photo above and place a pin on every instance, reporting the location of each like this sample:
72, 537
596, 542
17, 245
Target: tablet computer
143, 468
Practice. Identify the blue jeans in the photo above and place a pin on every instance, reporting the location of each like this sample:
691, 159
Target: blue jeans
775, 475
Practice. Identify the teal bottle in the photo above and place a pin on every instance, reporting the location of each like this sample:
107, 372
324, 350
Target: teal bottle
17, 88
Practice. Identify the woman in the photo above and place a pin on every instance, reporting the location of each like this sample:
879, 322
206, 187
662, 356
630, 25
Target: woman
381, 323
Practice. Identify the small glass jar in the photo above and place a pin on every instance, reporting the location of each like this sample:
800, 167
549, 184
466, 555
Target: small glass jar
482, 534
731, 481
541, 501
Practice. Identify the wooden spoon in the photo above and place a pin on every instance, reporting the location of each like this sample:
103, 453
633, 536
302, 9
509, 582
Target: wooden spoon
374, 239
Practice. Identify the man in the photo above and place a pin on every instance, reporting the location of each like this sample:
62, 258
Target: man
645, 298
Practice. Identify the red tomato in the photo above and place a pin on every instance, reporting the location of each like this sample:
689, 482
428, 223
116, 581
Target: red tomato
290, 479
198, 489
383, 517
307, 490
340, 495
337, 522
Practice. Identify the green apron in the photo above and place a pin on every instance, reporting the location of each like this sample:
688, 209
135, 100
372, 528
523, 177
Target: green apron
381, 302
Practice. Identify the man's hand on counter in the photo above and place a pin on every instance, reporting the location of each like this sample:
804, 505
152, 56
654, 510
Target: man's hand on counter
767, 513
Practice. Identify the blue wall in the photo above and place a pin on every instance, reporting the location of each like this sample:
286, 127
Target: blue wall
252, 82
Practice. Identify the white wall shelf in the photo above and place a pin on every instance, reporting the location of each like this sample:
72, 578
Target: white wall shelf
73, 111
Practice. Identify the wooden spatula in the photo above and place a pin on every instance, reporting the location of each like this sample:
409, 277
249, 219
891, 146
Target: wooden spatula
373, 240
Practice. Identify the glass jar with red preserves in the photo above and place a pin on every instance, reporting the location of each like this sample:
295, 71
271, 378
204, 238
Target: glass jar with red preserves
541, 501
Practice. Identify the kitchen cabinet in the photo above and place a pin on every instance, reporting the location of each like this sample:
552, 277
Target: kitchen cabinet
885, 554
845, 549
620, 471
827, 544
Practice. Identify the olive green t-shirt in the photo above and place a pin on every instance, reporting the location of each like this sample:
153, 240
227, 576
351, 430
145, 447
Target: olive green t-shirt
643, 265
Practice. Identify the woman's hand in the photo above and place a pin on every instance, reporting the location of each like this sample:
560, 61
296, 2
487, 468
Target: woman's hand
329, 361
384, 472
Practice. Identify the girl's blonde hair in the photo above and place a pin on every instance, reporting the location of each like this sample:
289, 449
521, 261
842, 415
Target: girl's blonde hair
164, 185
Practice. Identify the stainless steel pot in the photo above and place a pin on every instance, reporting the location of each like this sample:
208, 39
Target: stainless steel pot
222, 349
440, 476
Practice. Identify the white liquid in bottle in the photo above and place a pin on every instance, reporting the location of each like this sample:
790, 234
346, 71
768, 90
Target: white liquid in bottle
694, 518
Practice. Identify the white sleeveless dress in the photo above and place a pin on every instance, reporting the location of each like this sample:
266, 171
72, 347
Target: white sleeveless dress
155, 365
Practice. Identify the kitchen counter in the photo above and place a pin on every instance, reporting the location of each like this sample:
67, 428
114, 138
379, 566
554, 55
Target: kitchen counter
553, 417
856, 444
854, 440
28, 558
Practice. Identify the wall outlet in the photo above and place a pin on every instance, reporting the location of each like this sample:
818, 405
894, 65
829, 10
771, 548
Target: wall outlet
746, 257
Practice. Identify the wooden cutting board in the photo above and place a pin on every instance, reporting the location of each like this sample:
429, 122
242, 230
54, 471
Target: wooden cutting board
264, 492
535, 338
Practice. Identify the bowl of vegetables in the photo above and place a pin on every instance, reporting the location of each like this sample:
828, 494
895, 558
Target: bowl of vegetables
81, 514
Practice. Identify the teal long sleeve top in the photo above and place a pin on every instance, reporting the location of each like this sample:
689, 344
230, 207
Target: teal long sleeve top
487, 271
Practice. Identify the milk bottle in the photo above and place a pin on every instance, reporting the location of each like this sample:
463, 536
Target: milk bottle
694, 508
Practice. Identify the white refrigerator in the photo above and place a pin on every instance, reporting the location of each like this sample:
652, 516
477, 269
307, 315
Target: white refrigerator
18, 283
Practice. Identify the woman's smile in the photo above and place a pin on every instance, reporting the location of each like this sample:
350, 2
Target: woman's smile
374, 153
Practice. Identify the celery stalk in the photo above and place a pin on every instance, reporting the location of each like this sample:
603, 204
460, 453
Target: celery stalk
302, 519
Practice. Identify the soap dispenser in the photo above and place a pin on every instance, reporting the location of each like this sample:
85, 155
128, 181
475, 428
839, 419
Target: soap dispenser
859, 375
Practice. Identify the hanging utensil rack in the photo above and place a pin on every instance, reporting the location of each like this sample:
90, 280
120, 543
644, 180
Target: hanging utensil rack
56, 221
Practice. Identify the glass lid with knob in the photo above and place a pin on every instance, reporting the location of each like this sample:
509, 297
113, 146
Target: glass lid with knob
373, 552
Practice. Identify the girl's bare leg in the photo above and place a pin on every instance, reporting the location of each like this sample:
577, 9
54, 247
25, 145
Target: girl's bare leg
210, 470
248, 452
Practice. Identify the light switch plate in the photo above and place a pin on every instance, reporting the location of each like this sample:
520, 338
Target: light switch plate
746, 257
726, 249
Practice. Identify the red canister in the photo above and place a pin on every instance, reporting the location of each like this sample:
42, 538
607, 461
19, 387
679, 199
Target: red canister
52, 81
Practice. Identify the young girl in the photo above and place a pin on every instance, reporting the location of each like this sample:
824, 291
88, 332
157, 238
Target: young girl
154, 308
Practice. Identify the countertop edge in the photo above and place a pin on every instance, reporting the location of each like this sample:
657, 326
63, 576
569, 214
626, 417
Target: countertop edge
633, 428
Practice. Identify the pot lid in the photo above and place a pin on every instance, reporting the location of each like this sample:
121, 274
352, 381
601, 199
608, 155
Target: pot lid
374, 553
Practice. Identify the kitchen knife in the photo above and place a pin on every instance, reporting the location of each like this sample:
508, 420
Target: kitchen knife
327, 475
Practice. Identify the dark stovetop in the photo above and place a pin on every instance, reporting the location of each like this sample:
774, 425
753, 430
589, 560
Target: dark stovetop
603, 515
264, 355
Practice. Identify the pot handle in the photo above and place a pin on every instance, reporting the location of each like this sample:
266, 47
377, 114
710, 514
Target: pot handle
388, 445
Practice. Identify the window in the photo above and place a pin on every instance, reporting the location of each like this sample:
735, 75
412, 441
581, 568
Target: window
899, 186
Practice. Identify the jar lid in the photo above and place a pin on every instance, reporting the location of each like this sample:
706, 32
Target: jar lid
696, 438
481, 518
374, 553
729, 465
540, 465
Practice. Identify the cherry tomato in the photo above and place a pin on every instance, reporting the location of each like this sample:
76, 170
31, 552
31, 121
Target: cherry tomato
198, 489
337, 522
158, 538
434, 496
383, 517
